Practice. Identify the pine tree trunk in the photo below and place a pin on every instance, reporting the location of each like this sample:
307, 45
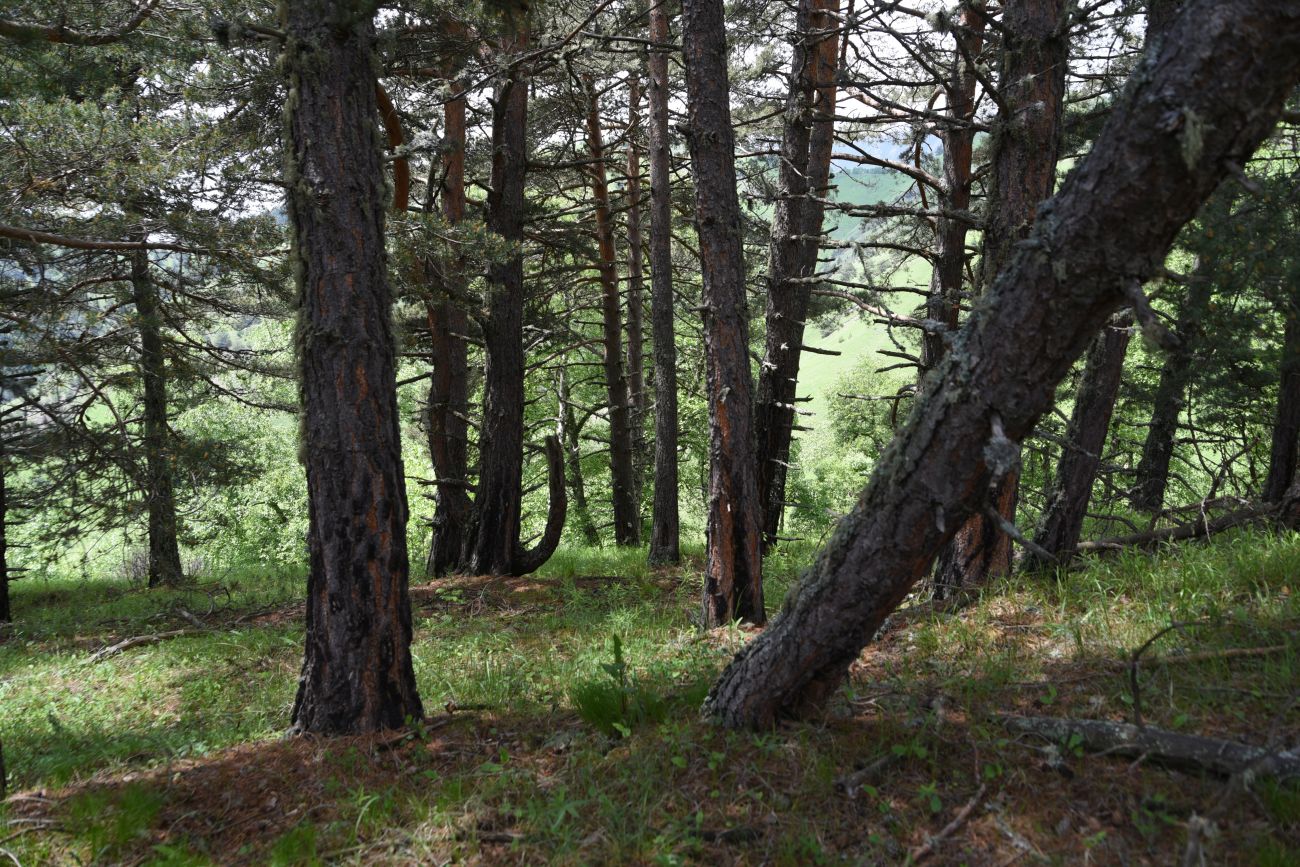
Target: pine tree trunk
1085, 438
5, 615
635, 295
664, 520
627, 521
1231, 65
1035, 54
733, 582
1171, 391
571, 431
793, 249
958, 142
159, 493
498, 499
357, 674
1286, 424
448, 432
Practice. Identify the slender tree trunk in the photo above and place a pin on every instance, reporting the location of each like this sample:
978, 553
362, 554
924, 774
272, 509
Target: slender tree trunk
1230, 64
448, 431
497, 501
1286, 425
159, 493
357, 674
570, 433
1085, 438
1035, 53
664, 521
1071, 490
1171, 391
5, 614
793, 250
627, 521
635, 295
733, 578
957, 138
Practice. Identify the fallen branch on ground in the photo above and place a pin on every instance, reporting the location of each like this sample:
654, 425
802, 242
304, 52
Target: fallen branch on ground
951, 828
141, 640
1198, 529
1159, 745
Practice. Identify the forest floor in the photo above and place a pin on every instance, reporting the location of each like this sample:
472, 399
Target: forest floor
542, 744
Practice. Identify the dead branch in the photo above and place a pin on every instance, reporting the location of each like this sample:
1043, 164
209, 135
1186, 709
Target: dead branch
140, 641
1194, 752
951, 828
1192, 530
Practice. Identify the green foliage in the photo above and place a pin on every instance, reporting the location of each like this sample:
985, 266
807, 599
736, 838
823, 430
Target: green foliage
108, 820
619, 702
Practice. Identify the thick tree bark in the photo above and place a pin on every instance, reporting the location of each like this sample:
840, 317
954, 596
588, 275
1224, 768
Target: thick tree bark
1171, 391
1286, 424
733, 578
635, 296
357, 674
1035, 53
957, 139
159, 492
627, 520
501, 442
1085, 438
664, 520
448, 432
793, 249
1200, 104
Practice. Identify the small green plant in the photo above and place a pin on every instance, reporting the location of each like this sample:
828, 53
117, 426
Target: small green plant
928, 795
110, 822
296, 847
617, 703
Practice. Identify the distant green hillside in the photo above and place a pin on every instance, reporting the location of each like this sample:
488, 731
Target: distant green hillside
863, 186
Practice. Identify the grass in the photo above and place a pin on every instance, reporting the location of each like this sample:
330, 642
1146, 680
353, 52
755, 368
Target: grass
562, 724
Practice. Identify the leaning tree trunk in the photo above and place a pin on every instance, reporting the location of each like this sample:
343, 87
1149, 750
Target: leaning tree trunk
159, 493
448, 431
793, 249
1229, 65
627, 520
1035, 53
733, 578
664, 519
957, 137
1286, 424
1085, 438
1175, 375
357, 674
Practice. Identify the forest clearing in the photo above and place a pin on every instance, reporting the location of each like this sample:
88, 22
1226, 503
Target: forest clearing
650, 432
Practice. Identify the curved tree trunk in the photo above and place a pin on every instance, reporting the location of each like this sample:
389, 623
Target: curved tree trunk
1229, 64
159, 493
1067, 503
1035, 53
733, 578
664, 520
357, 674
793, 250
